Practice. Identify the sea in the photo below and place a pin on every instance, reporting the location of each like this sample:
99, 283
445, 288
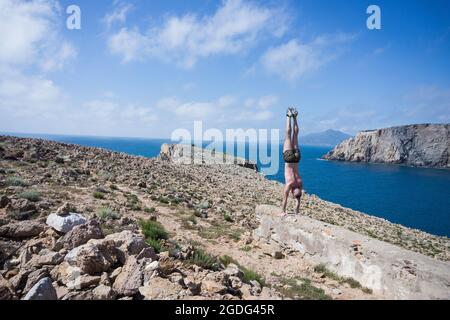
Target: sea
414, 197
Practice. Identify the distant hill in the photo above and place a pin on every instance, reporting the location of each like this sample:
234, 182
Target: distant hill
329, 138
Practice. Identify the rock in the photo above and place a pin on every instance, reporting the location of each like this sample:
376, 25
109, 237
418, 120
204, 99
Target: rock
34, 277
152, 266
79, 295
82, 282
142, 184
210, 286
61, 291
42, 290
148, 253
7, 248
65, 223
21, 230
127, 243
65, 273
91, 258
278, 255
186, 154
115, 273
256, 287
20, 209
130, 279
104, 279
424, 145
160, 289
193, 285
4, 201
246, 292
6, 290
64, 209
19, 280
233, 270
80, 234
46, 257
103, 292
235, 282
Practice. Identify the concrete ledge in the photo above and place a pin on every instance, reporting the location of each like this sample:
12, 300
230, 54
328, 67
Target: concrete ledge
390, 271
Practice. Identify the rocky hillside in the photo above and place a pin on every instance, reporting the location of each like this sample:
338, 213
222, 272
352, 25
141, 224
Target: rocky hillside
423, 145
86, 223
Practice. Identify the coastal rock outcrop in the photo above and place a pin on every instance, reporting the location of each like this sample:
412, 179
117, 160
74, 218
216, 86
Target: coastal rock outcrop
422, 145
190, 154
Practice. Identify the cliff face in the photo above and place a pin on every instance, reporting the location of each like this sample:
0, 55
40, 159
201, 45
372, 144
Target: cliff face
424, 145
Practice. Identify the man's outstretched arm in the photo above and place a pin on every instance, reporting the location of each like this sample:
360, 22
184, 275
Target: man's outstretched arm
287, 189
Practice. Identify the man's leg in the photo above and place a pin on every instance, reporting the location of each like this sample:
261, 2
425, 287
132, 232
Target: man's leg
287, 137
295, 136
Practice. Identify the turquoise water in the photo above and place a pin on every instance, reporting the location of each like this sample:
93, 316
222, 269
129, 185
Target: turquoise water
414, 197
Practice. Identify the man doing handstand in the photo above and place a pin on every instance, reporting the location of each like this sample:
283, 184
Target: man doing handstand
291, 156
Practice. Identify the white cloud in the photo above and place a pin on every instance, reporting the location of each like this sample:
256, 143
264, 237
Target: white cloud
263, 102
29, 35
116, 113
225, 109
294, 59
196, 109
30, 46
118, 15
129, 44
233, 28
28, 95
267, 101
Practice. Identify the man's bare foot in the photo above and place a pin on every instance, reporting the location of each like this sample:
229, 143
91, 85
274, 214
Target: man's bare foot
294, 112
289, 112
282, 214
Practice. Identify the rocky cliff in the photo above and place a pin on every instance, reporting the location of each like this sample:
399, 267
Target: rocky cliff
423, 145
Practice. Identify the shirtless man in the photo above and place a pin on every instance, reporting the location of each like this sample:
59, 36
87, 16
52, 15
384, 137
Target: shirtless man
291, 156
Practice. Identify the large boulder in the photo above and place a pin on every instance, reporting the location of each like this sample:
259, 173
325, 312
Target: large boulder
79, 235
130, 279
34, 277
21, 230
160, 289
92, 258
103, 292
46, 257
42, 290
65, 223
128, 242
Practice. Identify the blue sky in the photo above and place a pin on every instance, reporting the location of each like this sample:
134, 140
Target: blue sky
146, 68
